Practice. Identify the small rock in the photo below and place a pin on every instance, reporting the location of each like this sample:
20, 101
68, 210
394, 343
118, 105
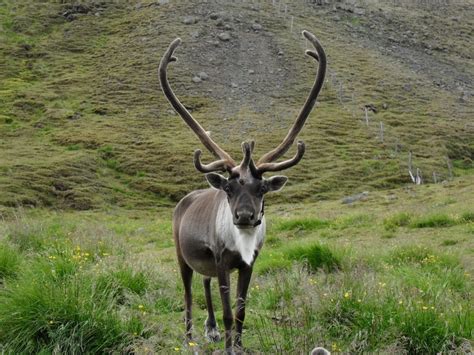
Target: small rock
196, 79
257, 27
224, 36
234, 85
357, 197
214, 16
251, 71
190, 20
228, 27
280, 52
359, 11
384, 106
203, 75
407, 87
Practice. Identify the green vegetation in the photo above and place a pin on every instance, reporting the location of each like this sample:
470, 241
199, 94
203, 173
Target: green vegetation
316, 256
109, 281
10, 261
433, 221
85, 126
93, 159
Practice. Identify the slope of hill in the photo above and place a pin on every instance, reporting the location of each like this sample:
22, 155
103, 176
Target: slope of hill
84, 124
87, 137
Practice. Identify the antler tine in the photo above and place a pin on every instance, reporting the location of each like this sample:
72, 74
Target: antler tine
295, 129
247, 150
264, 167
212, 146
218, 165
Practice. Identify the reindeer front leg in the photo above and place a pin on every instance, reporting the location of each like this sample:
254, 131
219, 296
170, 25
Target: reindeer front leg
245, 274
223, 277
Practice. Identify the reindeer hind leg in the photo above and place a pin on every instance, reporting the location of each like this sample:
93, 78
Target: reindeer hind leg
187, 276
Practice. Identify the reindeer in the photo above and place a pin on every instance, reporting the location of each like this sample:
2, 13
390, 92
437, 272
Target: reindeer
222, 228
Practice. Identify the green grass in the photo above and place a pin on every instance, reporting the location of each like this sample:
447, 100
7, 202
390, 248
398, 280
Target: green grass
46, 310
398, 220
92, 162
10, 261
316, 256
109, 282
111, 140
433, 221
306, 224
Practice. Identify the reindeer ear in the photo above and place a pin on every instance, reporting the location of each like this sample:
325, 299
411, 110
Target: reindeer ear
276, 183
216, 181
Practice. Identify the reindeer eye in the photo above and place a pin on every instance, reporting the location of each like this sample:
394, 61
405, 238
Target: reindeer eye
263, 190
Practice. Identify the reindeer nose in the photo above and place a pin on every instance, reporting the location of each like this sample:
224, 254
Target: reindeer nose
244, 217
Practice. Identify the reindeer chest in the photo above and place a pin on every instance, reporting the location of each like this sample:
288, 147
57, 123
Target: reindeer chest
243, 243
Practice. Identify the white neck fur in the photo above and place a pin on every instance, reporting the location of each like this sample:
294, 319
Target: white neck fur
243, 241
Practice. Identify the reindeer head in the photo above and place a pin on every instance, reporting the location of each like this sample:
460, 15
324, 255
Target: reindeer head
246, 186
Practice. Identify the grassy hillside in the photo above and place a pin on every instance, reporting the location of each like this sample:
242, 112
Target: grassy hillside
93, 159
85, 125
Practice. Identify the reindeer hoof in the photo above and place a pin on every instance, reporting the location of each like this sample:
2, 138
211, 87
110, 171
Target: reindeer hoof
212, 334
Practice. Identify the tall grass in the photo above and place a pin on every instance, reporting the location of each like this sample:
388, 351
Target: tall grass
10, 261
316, 256
61, 312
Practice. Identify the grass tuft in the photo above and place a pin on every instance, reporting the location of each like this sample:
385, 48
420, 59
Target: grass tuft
398, 220
316, 256
467, 217
45, 313
10, 261
433, 221
306, 224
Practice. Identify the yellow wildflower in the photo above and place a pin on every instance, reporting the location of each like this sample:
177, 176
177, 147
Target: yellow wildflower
346, 295
192, 344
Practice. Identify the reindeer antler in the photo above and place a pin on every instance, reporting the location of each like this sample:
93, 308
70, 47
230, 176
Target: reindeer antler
225, 162
265, 162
